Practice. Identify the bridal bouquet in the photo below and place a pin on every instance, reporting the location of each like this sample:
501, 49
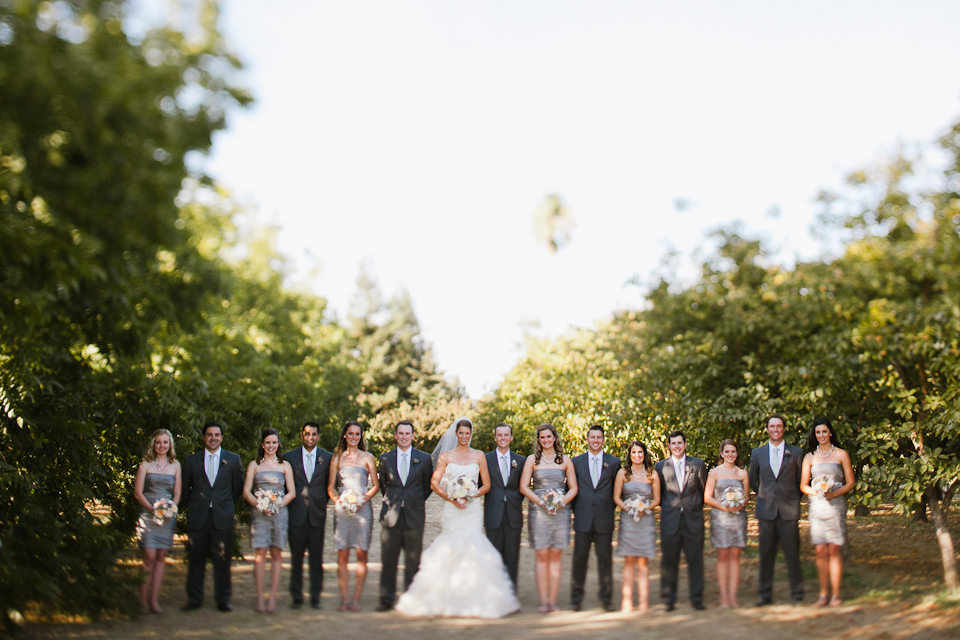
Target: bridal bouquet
350, 500
462, 489
637, 506
268, 502
164, 509
732, 497
822, 484
552, 500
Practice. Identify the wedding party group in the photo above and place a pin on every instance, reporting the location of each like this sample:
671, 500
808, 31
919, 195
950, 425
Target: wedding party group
471, 568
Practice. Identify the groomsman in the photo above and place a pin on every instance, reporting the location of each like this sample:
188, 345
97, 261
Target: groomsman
212, 484
503, 504
682, 483
775, 473
405, 476
308, 513
593, 518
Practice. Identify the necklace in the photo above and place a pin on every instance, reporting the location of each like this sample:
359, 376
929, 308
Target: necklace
827, 454
161, 467
641, 476
731, 472
271, 462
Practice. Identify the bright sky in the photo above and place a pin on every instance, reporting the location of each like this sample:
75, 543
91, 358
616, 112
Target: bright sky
419, 138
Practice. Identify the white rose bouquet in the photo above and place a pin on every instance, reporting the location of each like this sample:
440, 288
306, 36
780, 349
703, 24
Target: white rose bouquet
268, 502
163, 510
462, 490
822, 484
732, 497
351, 500
637, 506
552, 500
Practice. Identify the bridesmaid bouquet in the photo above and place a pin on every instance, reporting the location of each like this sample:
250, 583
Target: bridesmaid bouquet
462, 489
822, 484
552, 501
268, 502
637, 506
733, 497
164, 509
350, 500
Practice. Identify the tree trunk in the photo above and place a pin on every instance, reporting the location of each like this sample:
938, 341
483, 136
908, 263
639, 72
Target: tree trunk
950, 578
920, 513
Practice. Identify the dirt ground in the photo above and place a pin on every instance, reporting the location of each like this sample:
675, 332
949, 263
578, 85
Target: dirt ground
892, 564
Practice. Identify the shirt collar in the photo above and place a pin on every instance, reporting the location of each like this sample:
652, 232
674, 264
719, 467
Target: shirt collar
777, 446
215, 454
402, 452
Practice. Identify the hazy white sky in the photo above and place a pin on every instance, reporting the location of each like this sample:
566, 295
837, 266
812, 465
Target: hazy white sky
419, 137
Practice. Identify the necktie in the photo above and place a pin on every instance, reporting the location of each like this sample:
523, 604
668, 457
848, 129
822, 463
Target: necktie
310, 466
776, 460
504, 469
403, 468
680, 473
211, 468
596, 471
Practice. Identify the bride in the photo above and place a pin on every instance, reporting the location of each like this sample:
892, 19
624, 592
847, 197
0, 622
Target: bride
461, 574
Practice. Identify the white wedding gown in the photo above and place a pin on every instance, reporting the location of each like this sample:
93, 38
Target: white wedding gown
461, 574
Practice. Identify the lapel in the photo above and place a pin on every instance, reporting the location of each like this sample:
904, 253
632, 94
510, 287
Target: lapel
298, 464
394, 465
202, 465
493, 467
670, 476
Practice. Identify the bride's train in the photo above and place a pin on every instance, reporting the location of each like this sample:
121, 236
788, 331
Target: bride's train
461, 574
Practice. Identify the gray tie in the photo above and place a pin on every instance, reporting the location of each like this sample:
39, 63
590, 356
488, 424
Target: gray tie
310, 466
211, 468
403, 468
776, 461
596, 471
504, 469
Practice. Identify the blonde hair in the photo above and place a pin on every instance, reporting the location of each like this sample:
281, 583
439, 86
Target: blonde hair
150, 455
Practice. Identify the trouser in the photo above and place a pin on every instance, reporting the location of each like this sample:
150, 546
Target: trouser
671, 544
306, 539
603, 547
506, 540
217, 544
392, 541
786, 533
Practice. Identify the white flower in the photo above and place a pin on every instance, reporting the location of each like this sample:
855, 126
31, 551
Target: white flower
163, 509
732, 497
822, 484
268, 502
350, 500
552, 500
637, 506
462, 489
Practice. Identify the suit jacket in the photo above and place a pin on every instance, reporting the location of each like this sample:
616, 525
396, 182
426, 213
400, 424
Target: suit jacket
593, 508
678, 502
310, 505
403, 503
777, 495
504, 504
198, 495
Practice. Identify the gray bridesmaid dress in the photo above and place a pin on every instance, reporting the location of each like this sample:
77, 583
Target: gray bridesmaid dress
828, 518
727, 529
150, 534
269, 531
546, 531
353, 530
637, 539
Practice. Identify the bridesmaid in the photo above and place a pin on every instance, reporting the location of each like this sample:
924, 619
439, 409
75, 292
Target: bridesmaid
728, 524
636, 540
829, 464
352, 468
268, 531
548, 468
158, 477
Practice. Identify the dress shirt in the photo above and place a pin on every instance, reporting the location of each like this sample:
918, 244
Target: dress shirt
211, 464
596, 467
504, 466
309, 462
680, 468
776, 457
403, 463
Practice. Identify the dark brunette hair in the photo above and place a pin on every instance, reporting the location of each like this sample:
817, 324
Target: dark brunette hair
812, 443
464, 423
212, 424
403, 422
729, 442
776, 416
628, 462
342, 442
312, 425
676, 434
263, 436
557, 447
503, 424
595, 427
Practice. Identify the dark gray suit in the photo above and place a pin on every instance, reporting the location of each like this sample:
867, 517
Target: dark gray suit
503, 511
210, 519
593, 522
681, 527
307, 515
778, 515
402, 518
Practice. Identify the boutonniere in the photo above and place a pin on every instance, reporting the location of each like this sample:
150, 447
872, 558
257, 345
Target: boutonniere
606, 465
415, 461
786, 452
223, 463
513, 464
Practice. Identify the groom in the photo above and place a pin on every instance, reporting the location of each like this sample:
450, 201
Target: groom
593, 518
775, 475
503, 504
405, 476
